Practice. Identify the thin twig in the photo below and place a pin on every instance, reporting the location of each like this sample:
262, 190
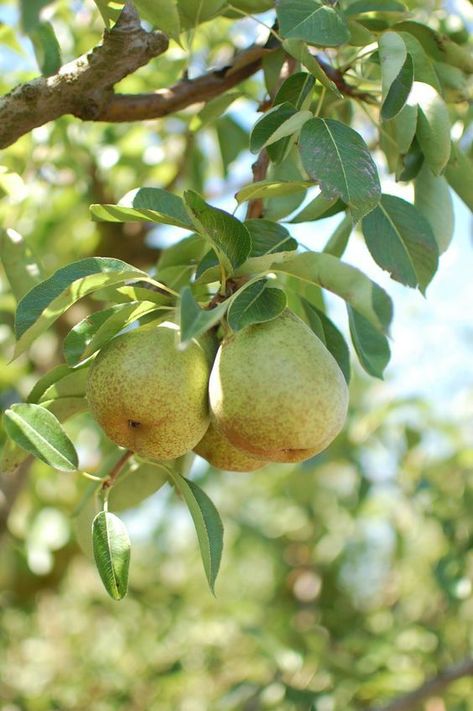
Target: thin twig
109, 481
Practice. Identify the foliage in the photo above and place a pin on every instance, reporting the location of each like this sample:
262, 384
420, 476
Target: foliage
108, 226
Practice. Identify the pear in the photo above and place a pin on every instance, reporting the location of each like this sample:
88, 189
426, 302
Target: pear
220, 453
148, 395
276, 392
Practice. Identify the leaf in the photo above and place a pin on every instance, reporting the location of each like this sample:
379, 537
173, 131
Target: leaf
338, 241
396, 88
277, 123
208, 269
344, 280
46, 48
188, 250
312, 21
72, 384
330, 336
65, 407
163, 15
112, 553
256, 303
458, 173
136, 483
337, 157
145, 205
93, 332
227, 235
361, 6
110, 11
207, 523
371, 347
404, 125
268, 238
43, 305
194, 321
318, 209
296, 90
434, 202
38, 432
271, 189
439, 46
19, 262
30, 10
194, 12
299, 50
392, 52
433, 126
213, 110
424, 67
46, 381
401, 241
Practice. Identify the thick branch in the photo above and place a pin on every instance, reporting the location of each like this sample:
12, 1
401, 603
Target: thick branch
431, 687
82, 87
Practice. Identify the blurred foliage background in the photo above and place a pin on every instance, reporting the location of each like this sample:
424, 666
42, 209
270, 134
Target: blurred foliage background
346, 580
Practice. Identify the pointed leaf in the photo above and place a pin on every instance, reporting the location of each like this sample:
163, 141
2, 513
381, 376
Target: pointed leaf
344, 280
371, 347
145, 205
392, 56
110, 11
163, 15
398, 91
48, 379
433, 126
112, 553
401, 241
338, 241
297, 90
195, 321
46, 48
300, 51
255, 303
339, 159
269, 238
207, 522
458, 173
20, 264
271, 189
312, 21
329, 334
434, 202
38, 432
41, 306
318, 209
227, 235
277, 123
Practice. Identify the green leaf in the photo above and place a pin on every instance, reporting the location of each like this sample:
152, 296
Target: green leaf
19, 262
296, 90
277, 123
194, 12
424, 66
329, 334
439, 46
48, 379
404, 125
338, 241
194, 321
163, 15
371, 347
337, 157
361, 6
256, 303
188, 250
434, 202
38, 432
213, 110
268, 238
65, 407
312, 21
112, 553
299, 50
271, 189
30, 10
207, 523
344, 280
433, 126
458, 173
401, 241
46, 48
93, 332
227, 235
397, 77
43, 305
318, 209
110, 11
145, 205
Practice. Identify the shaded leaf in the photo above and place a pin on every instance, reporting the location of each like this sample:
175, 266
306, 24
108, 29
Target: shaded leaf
401, 241
372, 348
361, 6
195, 321
112, 553
145, 205
110, 10
299, 50
277, 123
329, 334
459, 172
339, 159
163, 15
312, 21
38, 432
318, 209
256, 303
338, 241
21, 266
433, 126
271, 189
207, 522
399, 90
46, 48
434, 202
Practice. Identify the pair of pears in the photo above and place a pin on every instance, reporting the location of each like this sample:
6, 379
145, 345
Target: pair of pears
273, 392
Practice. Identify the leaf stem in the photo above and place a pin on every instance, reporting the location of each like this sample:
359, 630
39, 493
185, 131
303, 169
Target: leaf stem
110, 480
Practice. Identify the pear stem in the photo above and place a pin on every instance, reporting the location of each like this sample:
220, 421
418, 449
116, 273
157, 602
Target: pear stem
109, 481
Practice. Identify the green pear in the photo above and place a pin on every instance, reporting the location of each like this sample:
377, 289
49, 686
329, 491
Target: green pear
220, 453
276, 391
150, 396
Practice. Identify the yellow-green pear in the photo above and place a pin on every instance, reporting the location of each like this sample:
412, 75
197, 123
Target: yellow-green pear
150, 396
220, 453
276, 391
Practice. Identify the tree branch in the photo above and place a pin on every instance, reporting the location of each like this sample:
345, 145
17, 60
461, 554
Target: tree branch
431, 687
84, 86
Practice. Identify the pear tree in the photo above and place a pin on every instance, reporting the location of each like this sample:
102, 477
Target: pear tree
220, 343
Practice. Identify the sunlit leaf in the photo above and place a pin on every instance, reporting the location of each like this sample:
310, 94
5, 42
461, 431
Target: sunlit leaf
112, 553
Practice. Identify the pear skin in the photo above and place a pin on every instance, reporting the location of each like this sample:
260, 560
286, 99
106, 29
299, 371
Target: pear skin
220, 453
148, 395
277, 392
